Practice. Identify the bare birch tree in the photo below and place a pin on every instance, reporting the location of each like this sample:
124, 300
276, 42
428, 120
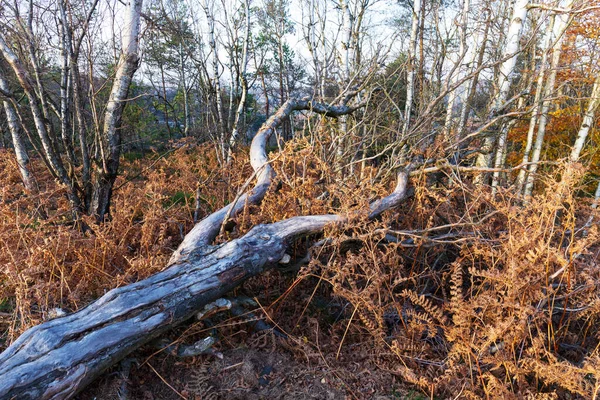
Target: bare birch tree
509, 54
587, 123
110, 142
243, 78
412, 62
16, 132
560, 25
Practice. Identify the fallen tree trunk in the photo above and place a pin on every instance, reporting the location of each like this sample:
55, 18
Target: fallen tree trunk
60, 357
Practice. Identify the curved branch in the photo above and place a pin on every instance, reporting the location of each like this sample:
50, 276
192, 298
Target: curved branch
58, 358
207, 230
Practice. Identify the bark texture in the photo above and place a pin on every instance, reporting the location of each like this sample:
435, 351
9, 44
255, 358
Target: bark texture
111, 138
14, 126
58, 358
510, 52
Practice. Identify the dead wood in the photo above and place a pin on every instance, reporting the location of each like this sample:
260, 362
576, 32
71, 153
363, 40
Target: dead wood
58, 358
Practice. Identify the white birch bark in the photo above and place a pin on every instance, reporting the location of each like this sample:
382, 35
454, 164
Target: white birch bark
596, 196
243, 83
537, 103
216, 82
448, 125
110, 143
412, 61
56, 166
186, 103
560, 25
16, 132
510, 52
476, 62
588, 121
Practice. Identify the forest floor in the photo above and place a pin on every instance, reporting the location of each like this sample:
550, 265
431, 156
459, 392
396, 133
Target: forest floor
255, 370
480, 296
252, 365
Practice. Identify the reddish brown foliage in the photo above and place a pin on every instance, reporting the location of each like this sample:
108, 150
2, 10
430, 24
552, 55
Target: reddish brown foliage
504, 305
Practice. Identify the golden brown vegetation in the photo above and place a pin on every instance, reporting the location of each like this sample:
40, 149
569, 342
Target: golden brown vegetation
462, 293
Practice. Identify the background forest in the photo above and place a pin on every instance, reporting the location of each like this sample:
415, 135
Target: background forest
444, 153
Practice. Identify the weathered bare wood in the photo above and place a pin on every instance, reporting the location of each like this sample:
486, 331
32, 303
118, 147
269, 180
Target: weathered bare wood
58, 358
206, 230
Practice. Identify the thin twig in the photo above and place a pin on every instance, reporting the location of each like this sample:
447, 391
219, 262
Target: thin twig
167, 383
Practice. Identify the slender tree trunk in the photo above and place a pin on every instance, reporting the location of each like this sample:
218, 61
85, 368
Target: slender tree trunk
448, 125
348, 67
53, 160
588, 121
110, 142
65, 94
537, 102
472, 88
165, 100
596, 196
560, 25
86, 175
412, 62
243, 83
186, 102
310, 35
72, 48
511, 49
216, 82
14, 126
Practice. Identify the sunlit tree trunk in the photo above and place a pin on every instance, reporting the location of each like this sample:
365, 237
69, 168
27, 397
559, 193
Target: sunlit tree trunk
412, 62
477, 61
184, 86
510, 52
560, 25
53, 160
110, 142
537, 103
597, 196
450, 120
65, 90
216, 78
588, 121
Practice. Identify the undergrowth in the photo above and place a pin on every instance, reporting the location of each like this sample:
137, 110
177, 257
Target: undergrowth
459, 292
